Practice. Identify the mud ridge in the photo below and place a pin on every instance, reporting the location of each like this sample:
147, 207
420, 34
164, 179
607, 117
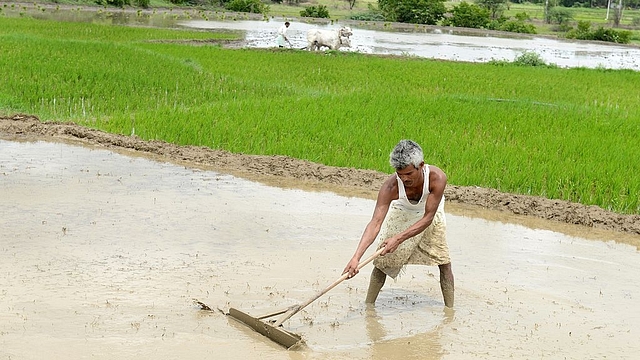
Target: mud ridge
306, 174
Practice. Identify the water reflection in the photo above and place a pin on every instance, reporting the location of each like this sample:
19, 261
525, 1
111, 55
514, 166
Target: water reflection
443, 43
103, 253
426, 345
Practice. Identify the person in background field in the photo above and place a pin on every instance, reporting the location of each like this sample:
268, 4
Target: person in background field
282, 35
409, 221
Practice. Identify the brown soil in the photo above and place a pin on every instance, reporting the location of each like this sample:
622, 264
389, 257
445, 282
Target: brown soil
290, 172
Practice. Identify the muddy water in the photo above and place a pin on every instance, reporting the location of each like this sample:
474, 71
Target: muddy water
454, 44
444, 44
102, 254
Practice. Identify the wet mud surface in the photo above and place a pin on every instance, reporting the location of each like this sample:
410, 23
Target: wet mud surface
107, 240
289, 172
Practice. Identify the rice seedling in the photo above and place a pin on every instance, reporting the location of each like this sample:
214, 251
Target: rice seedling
568, 134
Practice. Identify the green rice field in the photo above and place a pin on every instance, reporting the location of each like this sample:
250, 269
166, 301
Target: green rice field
570, 134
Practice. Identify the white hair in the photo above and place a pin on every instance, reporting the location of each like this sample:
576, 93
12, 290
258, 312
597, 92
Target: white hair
406, 153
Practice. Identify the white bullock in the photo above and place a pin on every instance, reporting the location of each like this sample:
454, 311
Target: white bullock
333, 39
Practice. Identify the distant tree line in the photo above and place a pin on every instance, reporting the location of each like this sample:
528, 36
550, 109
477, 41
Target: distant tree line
489, 14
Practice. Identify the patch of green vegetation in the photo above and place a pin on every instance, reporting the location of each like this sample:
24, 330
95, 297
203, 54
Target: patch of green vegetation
527, 58
586, 32
568, 134
315, 11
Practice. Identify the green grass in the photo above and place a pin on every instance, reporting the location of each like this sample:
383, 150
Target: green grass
560, 133
597, 17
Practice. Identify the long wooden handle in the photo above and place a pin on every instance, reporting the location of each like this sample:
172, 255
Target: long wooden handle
295, 309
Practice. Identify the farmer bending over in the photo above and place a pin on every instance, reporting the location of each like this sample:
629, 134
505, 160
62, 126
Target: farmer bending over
409, 221
282, 35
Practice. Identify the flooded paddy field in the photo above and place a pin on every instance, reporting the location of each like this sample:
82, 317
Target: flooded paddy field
104, 249
443, 43
434, 42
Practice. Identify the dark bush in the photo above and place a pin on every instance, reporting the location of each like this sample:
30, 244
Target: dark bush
516, 26
143, 3
118, 3
611, 35
428, 12
249, 6
584, 32
319, 11
467, 15
558, 16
